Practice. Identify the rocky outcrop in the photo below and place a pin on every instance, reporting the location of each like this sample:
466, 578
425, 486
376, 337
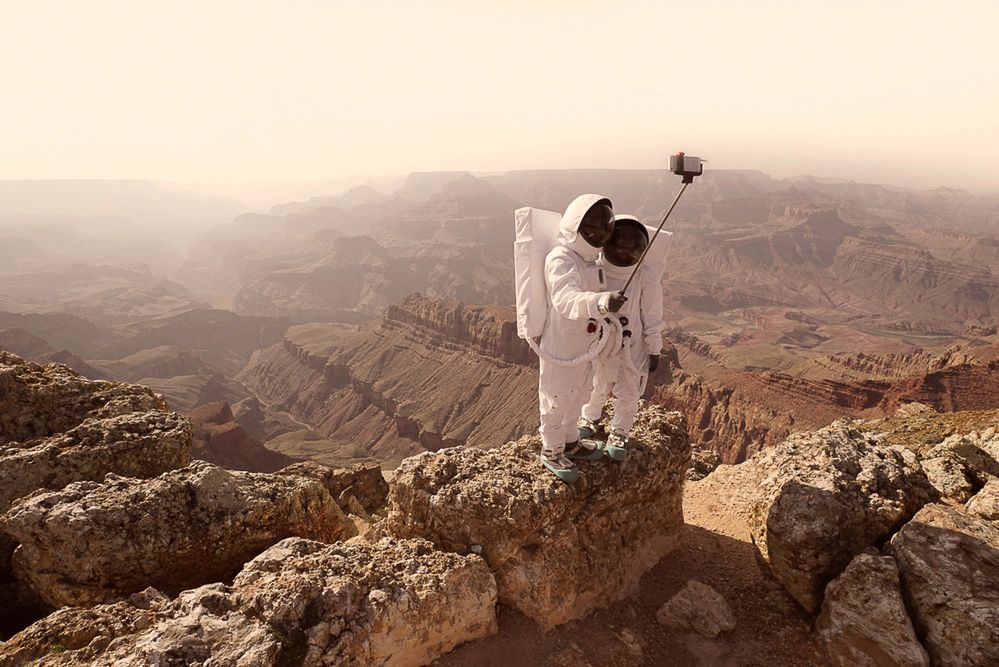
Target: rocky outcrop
86, 630
985, 503
741, 412
697, 608
949, 566
57, 427
38, 401
95, 542
394, 603
958, 451
864, 622
899, 365
141, 444
218, 439
363, 481
949, 478
558, 551
825, 497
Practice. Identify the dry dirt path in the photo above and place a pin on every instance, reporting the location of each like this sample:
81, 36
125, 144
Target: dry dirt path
714, 548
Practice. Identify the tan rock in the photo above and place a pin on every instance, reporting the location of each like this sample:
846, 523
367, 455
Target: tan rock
825, 497
697, 608
394, 603
86, 630
949, 477
140, 444
864, 622
985, 503
95, 542
363, 481
977, 450
558, 551
949, 566
37, 401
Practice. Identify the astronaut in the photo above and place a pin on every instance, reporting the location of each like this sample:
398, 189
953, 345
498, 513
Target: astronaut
624, 372
578, 298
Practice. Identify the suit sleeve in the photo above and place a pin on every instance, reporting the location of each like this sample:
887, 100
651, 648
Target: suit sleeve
651, 307
565, 291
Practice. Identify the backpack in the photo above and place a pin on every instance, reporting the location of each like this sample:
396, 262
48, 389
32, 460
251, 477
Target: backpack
536, 234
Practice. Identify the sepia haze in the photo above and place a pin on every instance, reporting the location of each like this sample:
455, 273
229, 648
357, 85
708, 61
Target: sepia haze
255, 256
240, 93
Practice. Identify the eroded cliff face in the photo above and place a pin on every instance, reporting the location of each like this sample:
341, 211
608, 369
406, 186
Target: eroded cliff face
435, 373
740, 412
432, 373
203, 565
490, 330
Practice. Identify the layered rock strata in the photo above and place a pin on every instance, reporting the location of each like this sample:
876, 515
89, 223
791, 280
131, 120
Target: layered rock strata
827, 495
94, 542
741, 412
393, 603
219, 439
558, 551
430, 374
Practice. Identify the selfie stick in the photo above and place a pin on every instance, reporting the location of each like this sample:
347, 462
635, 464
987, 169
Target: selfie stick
677, 167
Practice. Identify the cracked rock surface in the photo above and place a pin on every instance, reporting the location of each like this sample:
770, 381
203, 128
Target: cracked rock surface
398, 603
558, 551
93, 542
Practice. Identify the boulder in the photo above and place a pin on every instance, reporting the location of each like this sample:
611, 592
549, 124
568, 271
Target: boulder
978, 451
827, 495
949, 566
962, 463
37, 401
949, 476
697, 608
85, 629
393, 603
96, 542
985, 503
558, 551
363, 481
703, 461
864, 622
141, 444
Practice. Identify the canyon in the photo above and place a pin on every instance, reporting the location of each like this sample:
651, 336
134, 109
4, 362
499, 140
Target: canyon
371, 325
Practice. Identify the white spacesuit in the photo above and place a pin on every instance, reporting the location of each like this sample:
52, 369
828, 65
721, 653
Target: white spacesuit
624, 371
578, 296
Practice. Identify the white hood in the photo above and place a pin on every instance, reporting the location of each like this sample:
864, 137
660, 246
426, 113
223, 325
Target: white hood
568, 234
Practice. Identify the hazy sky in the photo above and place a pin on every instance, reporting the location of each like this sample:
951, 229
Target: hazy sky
896, 92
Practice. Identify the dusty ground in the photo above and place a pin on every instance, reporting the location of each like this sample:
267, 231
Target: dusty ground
714, 548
